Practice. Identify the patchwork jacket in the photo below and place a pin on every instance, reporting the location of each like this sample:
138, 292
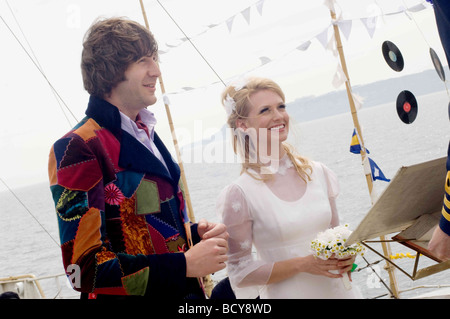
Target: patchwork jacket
120, 212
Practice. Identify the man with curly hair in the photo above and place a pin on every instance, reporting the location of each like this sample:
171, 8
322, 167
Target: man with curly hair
119, 201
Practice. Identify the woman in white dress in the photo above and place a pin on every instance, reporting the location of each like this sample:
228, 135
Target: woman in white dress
280, 202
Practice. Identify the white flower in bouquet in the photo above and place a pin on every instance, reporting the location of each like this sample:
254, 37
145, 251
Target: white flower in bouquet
332, 242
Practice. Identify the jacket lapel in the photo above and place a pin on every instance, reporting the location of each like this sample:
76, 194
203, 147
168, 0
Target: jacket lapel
173, 167
136, 157
133, 155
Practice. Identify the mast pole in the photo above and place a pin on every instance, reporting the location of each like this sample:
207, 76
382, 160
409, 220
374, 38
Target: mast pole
385, 246
206, 282
174, 137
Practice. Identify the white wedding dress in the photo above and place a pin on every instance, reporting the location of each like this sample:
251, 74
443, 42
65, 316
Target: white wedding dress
279, 219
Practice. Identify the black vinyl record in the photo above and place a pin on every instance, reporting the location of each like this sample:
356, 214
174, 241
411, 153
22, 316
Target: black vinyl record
406, 107
437, 64
392, 56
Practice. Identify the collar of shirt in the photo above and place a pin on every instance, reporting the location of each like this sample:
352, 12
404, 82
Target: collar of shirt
147, 117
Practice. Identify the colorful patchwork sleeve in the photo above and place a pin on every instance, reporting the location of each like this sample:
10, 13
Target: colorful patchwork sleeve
77, 185
444, 223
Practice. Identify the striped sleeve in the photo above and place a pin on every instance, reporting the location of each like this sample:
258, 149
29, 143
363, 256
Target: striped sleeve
444, 223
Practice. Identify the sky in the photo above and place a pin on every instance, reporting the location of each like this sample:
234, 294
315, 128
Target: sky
232, 38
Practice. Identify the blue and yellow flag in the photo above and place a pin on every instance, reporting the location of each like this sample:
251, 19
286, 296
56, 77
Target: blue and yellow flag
355, 146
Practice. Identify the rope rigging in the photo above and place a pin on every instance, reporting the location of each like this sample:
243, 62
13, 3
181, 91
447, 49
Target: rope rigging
36, 63
28, 211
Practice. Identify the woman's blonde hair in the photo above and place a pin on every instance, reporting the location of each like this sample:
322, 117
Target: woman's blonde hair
242, 144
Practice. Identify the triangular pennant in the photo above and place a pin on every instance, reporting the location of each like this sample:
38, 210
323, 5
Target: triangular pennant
264, 60
246, 14
230, 23
304, 46
370, 24
417, 8
346, 27
355, 146
376, 172
323, 38
259, 6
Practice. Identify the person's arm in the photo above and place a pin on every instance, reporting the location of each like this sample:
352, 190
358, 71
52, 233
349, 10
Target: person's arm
440, 241
285, 269
243, 269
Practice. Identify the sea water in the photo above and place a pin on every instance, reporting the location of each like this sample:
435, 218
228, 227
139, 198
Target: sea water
29, 236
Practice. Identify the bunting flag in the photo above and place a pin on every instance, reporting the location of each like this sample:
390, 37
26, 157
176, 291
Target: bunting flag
370, 24
355, 146
376, 172
346, 27
326, 41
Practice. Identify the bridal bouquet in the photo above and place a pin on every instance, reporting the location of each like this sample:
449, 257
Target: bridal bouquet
332, 242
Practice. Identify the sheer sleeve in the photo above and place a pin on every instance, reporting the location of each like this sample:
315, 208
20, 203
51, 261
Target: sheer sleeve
246, 272
333, 192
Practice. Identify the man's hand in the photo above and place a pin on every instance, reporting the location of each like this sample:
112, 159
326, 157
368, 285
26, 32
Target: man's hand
206, 257
208, 230
210, 254
440, 244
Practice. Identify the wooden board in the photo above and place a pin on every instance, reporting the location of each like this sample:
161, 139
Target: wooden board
414, 191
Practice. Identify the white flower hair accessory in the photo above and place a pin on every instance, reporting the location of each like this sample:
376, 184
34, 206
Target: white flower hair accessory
230, 105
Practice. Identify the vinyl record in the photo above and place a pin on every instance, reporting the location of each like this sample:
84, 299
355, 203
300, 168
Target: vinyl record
437, 64
392, 56
406, 107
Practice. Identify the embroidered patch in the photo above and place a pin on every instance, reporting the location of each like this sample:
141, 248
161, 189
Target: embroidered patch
104, 256
134, 227
113, 195
128, 182
176, 244
147, 198
136, 284
71, 204
88, 235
